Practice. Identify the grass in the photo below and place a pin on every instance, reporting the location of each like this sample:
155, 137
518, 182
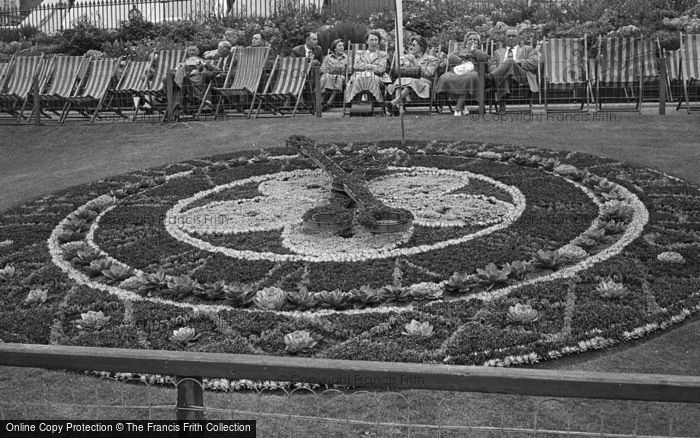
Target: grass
39, 160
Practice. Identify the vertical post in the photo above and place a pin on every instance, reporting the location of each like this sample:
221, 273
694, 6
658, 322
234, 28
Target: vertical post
316, 71
662, 84
481, 84
37, 102
190, 401
169, 83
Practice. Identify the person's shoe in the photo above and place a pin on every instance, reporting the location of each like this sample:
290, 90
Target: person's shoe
458, 114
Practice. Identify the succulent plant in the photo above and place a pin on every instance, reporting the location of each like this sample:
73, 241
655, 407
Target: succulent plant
670, 257
614, 194
36, 296
182, 286
548, 163
418, 329
335, 299
184, 335
240, 294
365, 296
598, 235
210, 291
117, 273
573, 252
146, 183
522, 313
92, 320
519, 268
96, 266
7, 273
86, 214
570, 171
76, 225
547, 259
159, 179
101, 203
71, 250
270, 298
132, 188
425, 291
394, 294
459, 283
84, 258
151, 283
69, 236
119, 193
492, 276
611, 289
261, 157
617, 210
299, 341
301, 299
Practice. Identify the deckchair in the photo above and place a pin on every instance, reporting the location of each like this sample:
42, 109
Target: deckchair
286, 81
94, 90
622, 63
431, 102
353, 48
5, 71
519, 91
246, 80
155, 92
19, 82
67, 74
566, 70
453, 47
131, 84
225, 65
690, 63
673, 73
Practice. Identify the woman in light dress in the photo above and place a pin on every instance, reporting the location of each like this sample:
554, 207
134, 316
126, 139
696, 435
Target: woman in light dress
424, 66
333, 72
369, 70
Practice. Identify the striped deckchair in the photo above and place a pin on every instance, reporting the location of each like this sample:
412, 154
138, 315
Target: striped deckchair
244, 84
353, 48
225, 65
566, 69
165, 61
673, 72
286, 81
94, 89
131, 86
5, 71
19, 82
624, 62
690, 65
66, 75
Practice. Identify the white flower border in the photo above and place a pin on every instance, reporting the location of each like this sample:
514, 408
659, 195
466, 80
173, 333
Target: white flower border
170, 222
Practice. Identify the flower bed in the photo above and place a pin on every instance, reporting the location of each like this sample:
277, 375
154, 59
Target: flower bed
514, 256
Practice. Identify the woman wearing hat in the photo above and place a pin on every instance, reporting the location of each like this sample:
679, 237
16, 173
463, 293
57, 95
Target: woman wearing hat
462, 78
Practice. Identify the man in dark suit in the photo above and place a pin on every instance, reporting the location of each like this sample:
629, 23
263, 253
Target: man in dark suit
310, 49
513, 63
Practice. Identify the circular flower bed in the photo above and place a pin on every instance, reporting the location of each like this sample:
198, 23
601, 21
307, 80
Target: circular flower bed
514, 255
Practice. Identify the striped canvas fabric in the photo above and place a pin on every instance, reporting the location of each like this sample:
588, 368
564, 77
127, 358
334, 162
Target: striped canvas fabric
690, 47
67, 69
250, 67
167, 60
4, 69
291, 76
673, 63
134, 77
20, 82
622, 60
564, 61
97, 84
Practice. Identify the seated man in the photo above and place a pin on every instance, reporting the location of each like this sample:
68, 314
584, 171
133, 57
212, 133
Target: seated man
309, 49
513, 63
193, 76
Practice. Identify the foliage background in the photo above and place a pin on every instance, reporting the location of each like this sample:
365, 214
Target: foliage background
438, 21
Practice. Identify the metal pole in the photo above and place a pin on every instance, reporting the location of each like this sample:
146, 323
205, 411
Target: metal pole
37, 102
662, 84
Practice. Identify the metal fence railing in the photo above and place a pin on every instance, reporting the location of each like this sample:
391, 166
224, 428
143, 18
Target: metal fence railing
55, 15
373, 399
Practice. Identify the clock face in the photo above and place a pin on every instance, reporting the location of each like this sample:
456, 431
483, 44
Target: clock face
510, 252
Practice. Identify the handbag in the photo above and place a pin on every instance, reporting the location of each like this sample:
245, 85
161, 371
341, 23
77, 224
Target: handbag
464, 68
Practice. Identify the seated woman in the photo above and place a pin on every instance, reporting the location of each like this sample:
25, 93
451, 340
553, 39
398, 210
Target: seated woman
192, 76
425, 66
462, 78
333, 72
369, 70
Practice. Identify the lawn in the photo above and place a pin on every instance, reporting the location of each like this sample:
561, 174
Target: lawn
37, 161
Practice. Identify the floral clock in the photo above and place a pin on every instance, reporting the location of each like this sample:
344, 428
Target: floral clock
512, 255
